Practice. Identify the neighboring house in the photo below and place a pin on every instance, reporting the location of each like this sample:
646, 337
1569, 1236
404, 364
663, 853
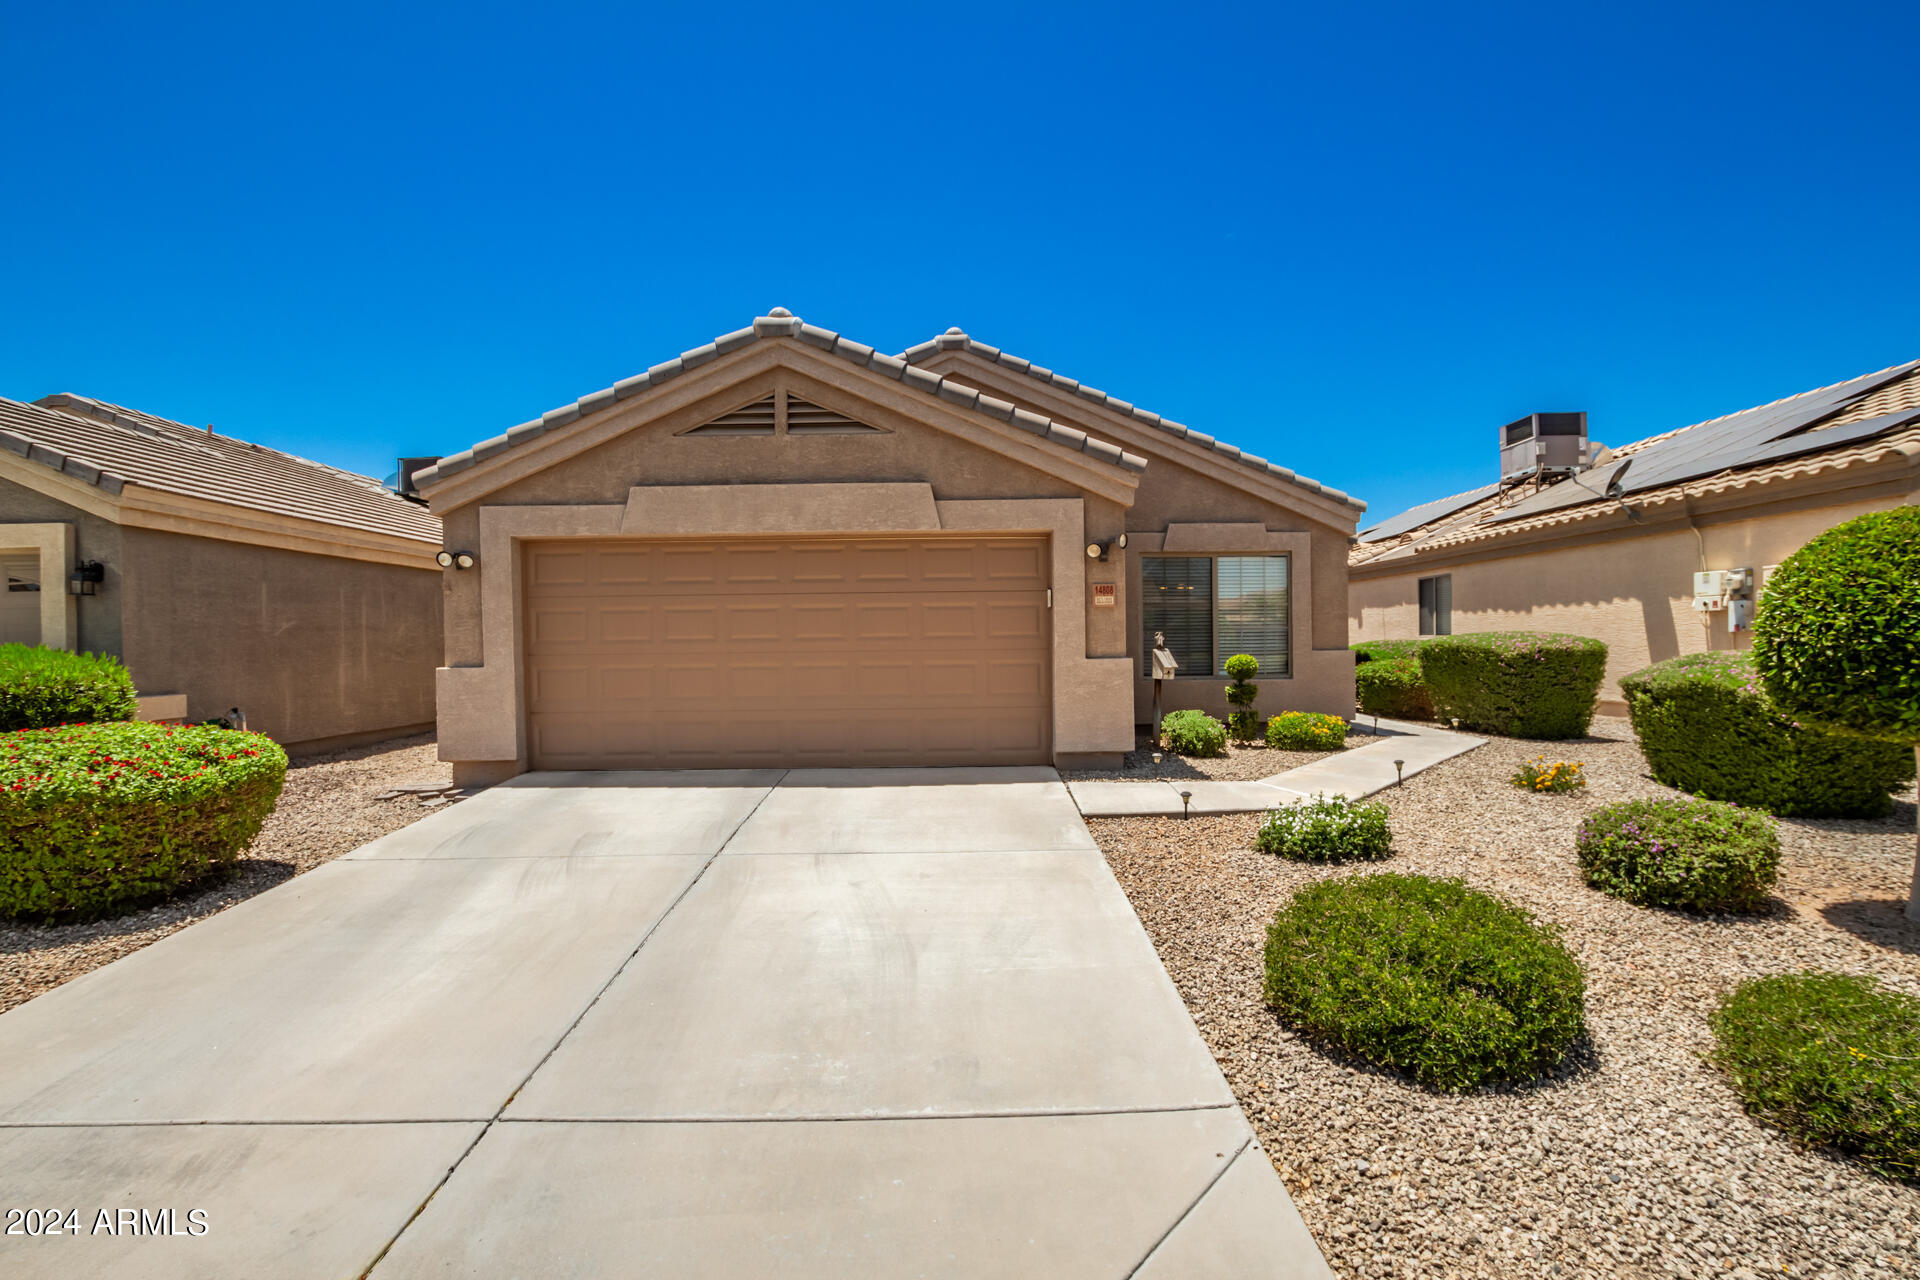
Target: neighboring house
223, 574
785, 548
1741, 492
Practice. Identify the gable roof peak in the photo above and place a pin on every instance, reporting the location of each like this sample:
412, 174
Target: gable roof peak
781, 323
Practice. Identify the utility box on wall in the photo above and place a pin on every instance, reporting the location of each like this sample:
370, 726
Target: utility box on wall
1728, 591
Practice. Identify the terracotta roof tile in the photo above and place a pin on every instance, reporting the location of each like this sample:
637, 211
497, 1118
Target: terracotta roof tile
110, 446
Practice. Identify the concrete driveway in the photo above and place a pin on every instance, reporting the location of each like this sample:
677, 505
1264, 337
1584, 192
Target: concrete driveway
813, 1024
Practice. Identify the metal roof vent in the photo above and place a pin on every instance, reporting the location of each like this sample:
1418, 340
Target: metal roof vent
1543, 445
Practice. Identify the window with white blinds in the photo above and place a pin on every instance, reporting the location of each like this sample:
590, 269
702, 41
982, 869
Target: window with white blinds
1254, 613
1210, 608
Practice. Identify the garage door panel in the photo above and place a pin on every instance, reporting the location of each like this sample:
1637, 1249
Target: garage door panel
781, 652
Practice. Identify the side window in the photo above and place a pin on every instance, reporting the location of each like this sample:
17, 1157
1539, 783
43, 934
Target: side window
1436, 605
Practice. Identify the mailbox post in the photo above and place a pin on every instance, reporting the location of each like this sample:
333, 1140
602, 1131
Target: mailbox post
1163, 669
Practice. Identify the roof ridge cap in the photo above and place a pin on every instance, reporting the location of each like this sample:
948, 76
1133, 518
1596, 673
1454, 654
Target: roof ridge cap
956, 339
780, 323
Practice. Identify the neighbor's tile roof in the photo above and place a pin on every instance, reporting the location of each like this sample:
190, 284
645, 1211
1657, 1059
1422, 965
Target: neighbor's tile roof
781, 323
956, 340
111, 447
1890, 413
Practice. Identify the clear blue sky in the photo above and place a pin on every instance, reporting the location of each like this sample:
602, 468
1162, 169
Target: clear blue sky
1352, 238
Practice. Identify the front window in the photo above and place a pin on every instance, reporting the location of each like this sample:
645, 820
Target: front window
1436, 605
1212, 607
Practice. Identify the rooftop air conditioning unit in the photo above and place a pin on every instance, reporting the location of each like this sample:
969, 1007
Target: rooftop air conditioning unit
1543, 444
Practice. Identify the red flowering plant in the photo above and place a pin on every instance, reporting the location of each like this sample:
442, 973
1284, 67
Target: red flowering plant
96, 817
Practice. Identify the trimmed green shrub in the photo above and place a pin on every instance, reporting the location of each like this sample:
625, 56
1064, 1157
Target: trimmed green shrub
1327, 829
95, 817
1306, 731
1243, 724
1680, 853
1193, 733
1430, 977
40, 687
1706, 726
1386, 650
1522, 684
1837, 637
1393, 687
1832, 1059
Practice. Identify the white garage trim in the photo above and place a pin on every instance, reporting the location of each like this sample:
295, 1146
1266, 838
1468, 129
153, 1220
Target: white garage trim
53, 545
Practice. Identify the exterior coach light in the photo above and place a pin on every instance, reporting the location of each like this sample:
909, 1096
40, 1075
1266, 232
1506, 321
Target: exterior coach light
1098, 550
86, 578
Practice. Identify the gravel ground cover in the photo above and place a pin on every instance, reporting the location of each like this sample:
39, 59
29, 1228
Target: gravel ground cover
1634, 1158
1248, 763
328, 808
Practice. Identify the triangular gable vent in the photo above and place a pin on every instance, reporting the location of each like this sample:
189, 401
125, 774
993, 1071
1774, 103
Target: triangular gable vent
764, 418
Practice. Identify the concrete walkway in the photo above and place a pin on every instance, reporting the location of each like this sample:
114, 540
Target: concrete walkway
1354, 773
831, 1024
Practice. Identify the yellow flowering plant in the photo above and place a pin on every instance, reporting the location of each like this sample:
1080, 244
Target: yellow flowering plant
1561, 775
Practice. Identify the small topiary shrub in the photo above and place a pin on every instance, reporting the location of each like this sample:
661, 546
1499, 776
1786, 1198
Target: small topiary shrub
1393, 687
1327, 829
1193, 733
1429, 977
1832, 1059
1306, 731
1680, 853
1706, 726
40, 687
1562, 775
1243, 723
95, 817
1523, 684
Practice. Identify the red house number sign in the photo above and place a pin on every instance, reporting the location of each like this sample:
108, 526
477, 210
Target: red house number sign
1103, 595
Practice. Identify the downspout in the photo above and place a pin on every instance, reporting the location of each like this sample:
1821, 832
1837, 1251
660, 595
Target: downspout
1686, 509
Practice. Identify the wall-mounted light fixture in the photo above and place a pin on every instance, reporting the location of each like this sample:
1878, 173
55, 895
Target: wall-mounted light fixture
86, 578
454, 559
1098, 550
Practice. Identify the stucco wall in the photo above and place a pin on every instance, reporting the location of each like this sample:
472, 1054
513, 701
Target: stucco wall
1633, 591
311, 648
95, 539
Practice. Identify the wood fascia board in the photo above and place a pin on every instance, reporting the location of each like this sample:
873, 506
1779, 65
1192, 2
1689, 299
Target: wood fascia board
141, 507
1677, 513
1102, 422
747, 372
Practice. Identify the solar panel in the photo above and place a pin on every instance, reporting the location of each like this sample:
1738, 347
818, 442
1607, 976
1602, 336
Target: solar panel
1414, 517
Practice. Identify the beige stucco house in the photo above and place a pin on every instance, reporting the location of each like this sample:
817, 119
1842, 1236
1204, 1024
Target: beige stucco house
1741, 492
222, 573
786, 548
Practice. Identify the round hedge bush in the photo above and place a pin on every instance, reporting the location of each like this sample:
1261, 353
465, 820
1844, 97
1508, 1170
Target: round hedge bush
1426, 976
41, 687
1306, 731
1706, 726
1393, 687
1837, 636
1832, 1059
1702, 854
95, 817
1327, 829
1193, 733
1521, 684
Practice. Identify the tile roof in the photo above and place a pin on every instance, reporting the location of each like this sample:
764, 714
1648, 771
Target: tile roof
781, 323
1861, 420
111, 447
956, 340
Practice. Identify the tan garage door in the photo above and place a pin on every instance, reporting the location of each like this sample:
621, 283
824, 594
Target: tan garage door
788, 652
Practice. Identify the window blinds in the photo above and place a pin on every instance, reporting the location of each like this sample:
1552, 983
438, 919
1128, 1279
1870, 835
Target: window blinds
1254, 613
1176, 597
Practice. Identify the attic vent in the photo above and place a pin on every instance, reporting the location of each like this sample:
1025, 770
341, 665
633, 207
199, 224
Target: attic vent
805, 419
798, 418
756, 419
